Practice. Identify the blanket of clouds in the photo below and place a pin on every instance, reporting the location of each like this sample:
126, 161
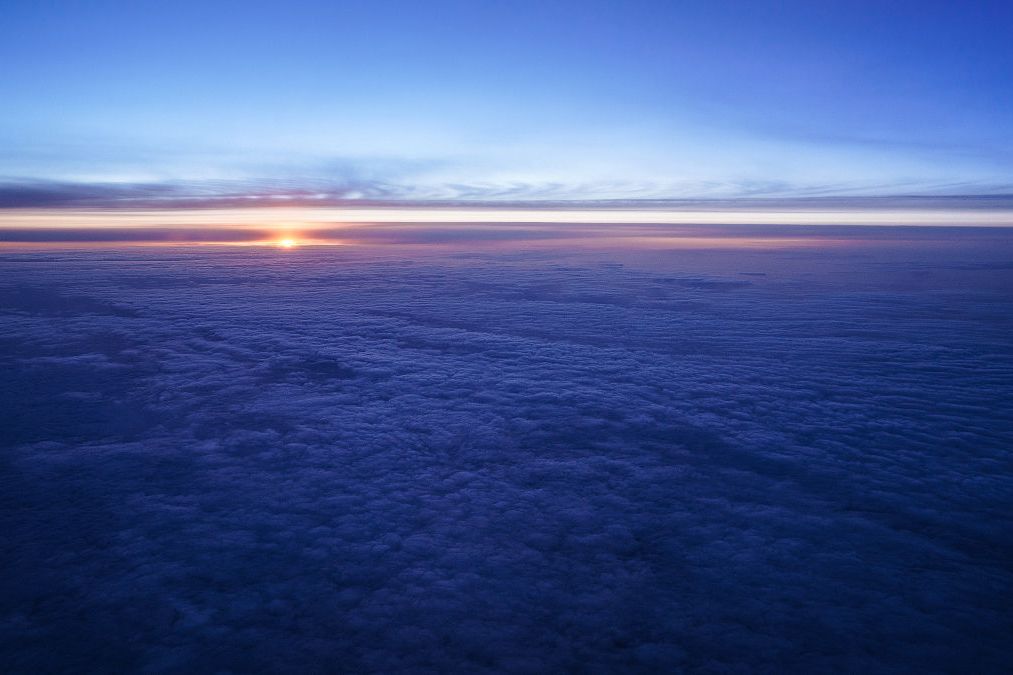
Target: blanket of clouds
478, 458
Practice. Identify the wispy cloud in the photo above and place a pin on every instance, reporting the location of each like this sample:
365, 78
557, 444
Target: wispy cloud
372, 191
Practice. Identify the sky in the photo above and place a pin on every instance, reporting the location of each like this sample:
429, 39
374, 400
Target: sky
105, 102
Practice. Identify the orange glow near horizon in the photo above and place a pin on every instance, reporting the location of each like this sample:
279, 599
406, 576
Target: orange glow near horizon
449, 229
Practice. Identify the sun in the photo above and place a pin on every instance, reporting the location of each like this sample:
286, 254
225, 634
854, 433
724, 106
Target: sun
287, 242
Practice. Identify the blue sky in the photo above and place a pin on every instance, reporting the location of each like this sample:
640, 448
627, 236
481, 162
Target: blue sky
541, 100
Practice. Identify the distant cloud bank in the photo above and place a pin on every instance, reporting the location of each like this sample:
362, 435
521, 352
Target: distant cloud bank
36, 194
41, 211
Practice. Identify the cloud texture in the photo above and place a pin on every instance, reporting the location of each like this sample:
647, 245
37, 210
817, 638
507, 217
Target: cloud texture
393, 190
376, 460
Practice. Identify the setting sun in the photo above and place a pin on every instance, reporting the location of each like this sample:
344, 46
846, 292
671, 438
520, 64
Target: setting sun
287, 242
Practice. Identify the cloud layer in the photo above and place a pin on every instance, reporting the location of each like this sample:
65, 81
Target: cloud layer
396, 191
372, 460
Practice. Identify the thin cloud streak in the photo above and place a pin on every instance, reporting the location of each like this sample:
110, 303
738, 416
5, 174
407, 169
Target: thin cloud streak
40, 194
22, 224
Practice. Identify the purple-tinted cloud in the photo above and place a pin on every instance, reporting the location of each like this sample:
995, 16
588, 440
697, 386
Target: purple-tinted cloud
132, 235
366, 191
331, 460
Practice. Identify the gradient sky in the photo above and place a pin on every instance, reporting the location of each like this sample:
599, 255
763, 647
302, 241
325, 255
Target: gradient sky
511, 101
